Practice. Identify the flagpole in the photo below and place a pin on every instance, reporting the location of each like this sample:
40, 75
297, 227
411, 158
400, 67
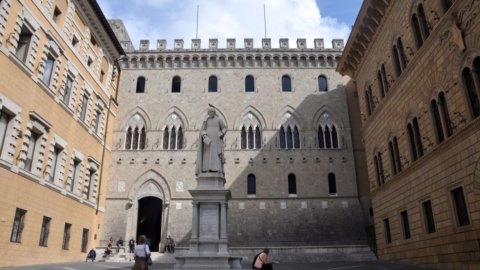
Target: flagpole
265, 20
196, 33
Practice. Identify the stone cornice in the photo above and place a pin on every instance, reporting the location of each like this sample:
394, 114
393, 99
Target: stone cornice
368, 21
234, 58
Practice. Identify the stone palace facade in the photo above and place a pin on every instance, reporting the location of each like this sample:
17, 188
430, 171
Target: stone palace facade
289, 159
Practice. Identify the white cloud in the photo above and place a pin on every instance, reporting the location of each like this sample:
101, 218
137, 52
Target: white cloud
170, 19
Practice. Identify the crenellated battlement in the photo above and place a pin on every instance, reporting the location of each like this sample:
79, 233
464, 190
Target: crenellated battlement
248, 44
232, 57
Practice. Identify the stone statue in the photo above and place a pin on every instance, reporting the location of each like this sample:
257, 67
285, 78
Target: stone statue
211, 147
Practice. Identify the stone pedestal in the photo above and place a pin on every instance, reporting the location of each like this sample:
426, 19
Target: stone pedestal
209, 241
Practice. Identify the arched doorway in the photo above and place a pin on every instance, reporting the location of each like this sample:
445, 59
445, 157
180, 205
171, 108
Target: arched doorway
149, 221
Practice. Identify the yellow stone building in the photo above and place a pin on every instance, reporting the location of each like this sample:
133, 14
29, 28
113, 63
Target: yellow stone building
57, 101
415, 70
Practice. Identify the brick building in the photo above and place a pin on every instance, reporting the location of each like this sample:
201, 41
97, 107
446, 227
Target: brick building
57, 101
414, 68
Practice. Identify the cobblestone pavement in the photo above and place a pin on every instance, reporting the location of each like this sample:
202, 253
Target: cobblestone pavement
156, 266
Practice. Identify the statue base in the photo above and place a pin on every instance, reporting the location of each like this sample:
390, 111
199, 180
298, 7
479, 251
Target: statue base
209, 242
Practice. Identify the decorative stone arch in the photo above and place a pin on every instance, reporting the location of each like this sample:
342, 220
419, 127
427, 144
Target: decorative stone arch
149, 184
174, 111
283, 118
140, 112
203, 115
333, 117
324, 118
467, 59
255, 114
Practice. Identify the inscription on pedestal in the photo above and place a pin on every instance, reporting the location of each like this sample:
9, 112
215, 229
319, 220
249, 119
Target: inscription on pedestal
209, 221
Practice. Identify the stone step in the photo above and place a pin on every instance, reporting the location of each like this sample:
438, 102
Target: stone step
310, 254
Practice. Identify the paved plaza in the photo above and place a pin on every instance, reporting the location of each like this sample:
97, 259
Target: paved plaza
157, 266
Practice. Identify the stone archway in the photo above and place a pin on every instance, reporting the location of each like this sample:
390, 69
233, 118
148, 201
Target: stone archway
149, 220
152, 187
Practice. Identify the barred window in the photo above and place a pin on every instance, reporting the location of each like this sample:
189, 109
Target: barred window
18, 224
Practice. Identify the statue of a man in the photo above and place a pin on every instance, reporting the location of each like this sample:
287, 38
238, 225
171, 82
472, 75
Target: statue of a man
211, 148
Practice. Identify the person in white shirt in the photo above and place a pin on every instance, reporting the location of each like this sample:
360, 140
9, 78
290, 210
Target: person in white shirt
141, 253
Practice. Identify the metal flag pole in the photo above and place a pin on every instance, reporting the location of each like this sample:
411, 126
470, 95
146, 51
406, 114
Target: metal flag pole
265, 20
196, 33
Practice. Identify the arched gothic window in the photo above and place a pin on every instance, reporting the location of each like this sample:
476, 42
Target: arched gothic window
135, 136
424, 25
420, 25
327, 132
249, 84
251, 184
128, 139
396, 60
332, 184
401, 53
250, 133
286, 83
322, 83
143, 136
379, 168
292, 184
414, 139
437, 122
384, 78
394, 156
381, 87
173, 133
212, 84
289, 137
471, 90
176, 84
140, 85
416, 31
369, 100
442, 103
327, 137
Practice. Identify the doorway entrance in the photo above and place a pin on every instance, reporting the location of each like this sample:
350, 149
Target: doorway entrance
149, 221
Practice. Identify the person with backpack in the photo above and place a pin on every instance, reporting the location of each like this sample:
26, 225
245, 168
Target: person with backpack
260, 261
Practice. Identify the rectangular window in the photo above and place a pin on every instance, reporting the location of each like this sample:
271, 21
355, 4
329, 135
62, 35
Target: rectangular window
97, 121
56, 14
4, 119
75, 42
405, 225
102, 76
56, 153
18, 224
23, 45
460, 205
429, 220
68, 90
31, 151
66, 236
83, 112
91, 180
47, 74
84, 240
76, 173
44, 231
388, 235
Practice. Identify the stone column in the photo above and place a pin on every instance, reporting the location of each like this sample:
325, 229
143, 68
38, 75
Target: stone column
223, 243
194, 238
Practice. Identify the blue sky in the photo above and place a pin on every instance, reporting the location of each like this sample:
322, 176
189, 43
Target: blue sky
176, 19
